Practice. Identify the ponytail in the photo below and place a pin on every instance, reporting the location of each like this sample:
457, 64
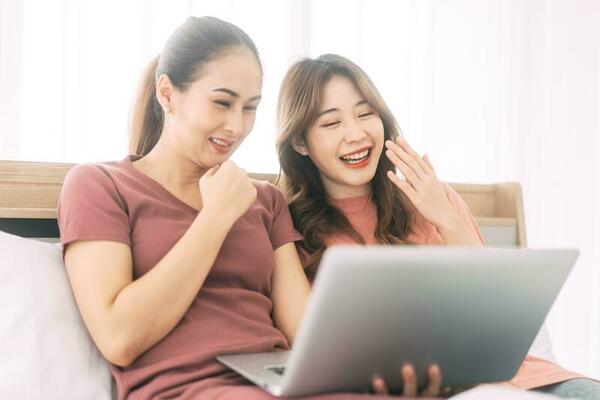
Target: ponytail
192, 45
147, 116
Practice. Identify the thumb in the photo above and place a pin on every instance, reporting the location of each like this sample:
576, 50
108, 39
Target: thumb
212, 170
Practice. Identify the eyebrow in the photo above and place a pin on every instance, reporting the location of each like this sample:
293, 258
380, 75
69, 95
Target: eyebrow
337, 109
234, 94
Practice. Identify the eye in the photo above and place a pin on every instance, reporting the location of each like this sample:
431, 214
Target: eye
250, 108
330, 124
222, 103
366, 114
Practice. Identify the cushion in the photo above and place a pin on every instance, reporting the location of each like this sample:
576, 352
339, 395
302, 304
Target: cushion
45, 349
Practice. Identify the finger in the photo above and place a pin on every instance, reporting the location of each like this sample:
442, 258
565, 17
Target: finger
410, 381
379, 386
212, 170
403, 185
435, 381
407, 158
428, 161
401, 142
406, 170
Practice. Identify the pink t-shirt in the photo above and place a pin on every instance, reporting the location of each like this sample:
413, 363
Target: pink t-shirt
362, 214
232, 311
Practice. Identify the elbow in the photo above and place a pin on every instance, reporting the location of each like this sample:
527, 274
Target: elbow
118, 352
122, 360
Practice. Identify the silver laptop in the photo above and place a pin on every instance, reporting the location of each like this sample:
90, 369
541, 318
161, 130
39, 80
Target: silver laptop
473, 311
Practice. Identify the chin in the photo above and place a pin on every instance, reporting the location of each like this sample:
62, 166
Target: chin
358, 181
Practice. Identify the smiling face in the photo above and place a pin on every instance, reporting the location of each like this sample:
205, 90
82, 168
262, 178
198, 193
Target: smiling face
209, 120
346, 140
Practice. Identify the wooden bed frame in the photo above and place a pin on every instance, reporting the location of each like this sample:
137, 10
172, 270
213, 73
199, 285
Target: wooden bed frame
29, 193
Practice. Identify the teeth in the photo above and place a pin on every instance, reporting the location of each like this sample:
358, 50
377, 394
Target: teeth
356, 156
219, 142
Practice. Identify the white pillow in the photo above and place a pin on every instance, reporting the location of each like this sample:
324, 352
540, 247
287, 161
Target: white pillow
45, 349
542, 345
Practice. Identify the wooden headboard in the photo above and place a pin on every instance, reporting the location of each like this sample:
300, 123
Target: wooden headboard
29, 193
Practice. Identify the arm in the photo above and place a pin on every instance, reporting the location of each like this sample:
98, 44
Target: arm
125, 317
290, 291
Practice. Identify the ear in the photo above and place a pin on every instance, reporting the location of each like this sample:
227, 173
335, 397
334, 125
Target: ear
164, 93
300, 147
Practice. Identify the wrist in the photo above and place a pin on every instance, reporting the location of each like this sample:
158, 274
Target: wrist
456, 232
216, 217
451, 225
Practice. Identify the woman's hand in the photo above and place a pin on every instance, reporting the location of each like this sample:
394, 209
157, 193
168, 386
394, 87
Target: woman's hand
421, 186
428, 194
409, 377
227, 190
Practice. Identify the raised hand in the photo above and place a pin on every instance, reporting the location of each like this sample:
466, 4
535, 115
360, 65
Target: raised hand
227, 190
421, 185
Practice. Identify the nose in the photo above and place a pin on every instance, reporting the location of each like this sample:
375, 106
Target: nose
354, 133
235, 122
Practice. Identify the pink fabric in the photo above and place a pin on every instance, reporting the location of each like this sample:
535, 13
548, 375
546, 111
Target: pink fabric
232, 312
362, 214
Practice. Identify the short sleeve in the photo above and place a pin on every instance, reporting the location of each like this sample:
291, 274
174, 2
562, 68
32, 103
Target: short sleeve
464, 211
91, 208
282, 227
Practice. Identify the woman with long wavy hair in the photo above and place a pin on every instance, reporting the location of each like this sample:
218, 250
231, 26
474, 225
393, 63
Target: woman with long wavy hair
339, 147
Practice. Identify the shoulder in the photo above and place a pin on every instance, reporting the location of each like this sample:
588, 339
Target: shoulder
91, 180
93, 175
270, 197
267, 192
88, 174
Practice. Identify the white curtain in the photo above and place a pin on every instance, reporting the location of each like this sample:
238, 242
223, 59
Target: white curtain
492, 89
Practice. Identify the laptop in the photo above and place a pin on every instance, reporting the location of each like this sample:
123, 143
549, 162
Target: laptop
473, 311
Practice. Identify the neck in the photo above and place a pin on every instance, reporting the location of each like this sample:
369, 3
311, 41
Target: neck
336, 191
164, 164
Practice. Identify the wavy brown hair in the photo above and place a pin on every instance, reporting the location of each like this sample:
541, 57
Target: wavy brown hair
314, 217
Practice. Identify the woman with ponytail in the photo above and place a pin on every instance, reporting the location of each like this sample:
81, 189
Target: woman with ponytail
157, 246
174, 255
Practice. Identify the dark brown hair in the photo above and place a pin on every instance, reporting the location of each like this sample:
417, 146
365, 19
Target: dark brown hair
190, 47
298, 106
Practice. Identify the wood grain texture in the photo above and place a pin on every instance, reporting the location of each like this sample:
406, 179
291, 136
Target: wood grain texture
31, 190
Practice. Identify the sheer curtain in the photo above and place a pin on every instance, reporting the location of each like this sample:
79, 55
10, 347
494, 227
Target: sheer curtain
492, 90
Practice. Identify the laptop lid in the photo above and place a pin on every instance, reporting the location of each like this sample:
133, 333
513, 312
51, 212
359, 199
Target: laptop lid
473, 311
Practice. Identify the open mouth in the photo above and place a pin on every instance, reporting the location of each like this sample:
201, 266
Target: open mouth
221, 145
359, 157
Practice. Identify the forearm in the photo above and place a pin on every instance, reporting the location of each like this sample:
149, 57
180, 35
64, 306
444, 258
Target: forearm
149, 308
290, 291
